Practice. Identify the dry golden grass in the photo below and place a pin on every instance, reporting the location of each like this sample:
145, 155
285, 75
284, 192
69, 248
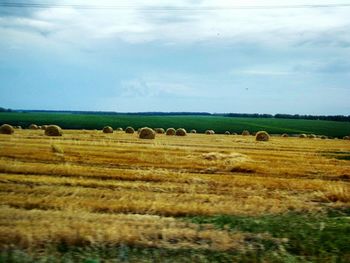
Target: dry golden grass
88, 187
34, 228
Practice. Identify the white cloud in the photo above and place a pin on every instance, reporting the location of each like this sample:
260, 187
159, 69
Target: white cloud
293, 67
134, 24
262, 72
157, 86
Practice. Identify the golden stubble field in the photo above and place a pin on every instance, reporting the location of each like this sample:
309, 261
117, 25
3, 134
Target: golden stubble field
87, 187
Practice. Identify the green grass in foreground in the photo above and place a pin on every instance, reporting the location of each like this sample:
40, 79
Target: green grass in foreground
304, 237
200, 123
291, 237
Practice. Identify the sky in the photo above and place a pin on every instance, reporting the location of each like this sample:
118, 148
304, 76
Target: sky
244, 56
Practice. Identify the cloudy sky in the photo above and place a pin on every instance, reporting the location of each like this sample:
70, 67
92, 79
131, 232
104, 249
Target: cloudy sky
185, 55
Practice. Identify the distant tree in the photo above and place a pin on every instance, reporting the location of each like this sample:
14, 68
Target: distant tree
314, 117
5, 110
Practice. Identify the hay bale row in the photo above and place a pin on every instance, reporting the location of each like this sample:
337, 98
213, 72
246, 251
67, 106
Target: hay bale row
311, 136
262, 136
181, 132
6, 129
147, 133
159, 130
107, 129
53, 130
209, 132
245, 133
170, 132
33, 127
129, 130
36, 127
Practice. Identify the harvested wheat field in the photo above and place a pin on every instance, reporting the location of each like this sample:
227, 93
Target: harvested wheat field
195, 198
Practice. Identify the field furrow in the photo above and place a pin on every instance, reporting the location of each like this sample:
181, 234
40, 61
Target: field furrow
89, 188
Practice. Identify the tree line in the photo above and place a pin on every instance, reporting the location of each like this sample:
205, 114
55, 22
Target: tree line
5, 110
342, 118
291, 116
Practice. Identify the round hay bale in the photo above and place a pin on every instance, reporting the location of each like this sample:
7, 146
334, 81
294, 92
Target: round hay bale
107, 129
311, 136
323, 137
129, 130
245, 133
262, 136
147, 133
284, 135
33, 127
119, 129
53, 130
6, 129
302, 135
160, 130
170, 132
234, 133
346, 138
193, 131
227, 133
44, 127
180, 132
209, 132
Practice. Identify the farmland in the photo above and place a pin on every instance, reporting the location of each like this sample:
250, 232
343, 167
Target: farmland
200, 123
198, 198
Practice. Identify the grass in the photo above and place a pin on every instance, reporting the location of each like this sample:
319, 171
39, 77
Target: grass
94, 197
200, 123
121, 253
57, 149
290, 237
310, 237
340, 155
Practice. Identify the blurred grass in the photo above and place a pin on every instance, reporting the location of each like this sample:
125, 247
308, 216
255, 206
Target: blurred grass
305, 237
200, 123
291, 237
